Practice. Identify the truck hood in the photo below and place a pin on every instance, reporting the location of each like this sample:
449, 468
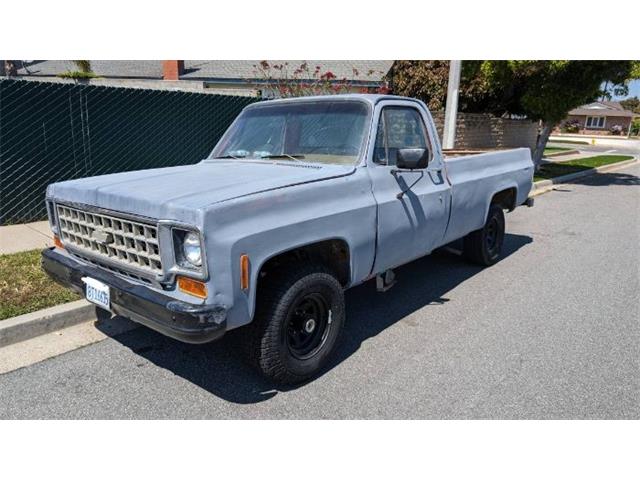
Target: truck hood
176, 193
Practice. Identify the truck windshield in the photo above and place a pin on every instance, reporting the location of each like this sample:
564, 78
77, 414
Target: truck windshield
319, 131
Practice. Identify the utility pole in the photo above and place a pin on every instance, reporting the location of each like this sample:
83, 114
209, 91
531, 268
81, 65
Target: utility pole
451, 110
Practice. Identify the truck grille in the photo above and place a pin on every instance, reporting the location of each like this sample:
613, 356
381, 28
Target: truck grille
121, 241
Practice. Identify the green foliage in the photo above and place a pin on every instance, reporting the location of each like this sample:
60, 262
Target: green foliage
540, 89
635, 127
77, 75
547, 90
557, 169
428, 79
632, 104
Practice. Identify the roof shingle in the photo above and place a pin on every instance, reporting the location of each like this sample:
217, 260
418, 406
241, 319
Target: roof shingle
208, 69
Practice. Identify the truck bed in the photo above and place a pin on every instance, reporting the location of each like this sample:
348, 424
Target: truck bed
476, 178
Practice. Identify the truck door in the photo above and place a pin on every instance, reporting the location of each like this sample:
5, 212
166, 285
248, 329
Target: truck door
413, 206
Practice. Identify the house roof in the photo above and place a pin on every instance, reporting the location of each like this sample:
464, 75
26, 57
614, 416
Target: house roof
603, 109
151, 69
369, 70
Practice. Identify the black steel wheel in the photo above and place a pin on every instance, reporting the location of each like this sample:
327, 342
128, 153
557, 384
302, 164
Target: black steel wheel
484, 246
308, 325
299, 315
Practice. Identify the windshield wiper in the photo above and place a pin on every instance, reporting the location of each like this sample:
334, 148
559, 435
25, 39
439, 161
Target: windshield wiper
231, 156
283, 156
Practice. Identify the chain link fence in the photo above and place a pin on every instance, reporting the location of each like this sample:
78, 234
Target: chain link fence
51, 132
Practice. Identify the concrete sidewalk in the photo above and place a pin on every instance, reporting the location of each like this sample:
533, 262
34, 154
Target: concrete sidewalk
26, 236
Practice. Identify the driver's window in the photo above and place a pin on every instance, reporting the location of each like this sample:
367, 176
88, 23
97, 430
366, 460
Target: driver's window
398, 127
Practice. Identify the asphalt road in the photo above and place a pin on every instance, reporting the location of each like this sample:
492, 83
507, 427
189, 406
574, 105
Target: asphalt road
551, 331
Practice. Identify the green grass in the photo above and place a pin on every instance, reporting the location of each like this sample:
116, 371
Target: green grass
24, 287
551, 170
549, 150
577, 142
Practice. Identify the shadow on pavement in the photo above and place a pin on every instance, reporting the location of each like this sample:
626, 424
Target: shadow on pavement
219, 368
606, 179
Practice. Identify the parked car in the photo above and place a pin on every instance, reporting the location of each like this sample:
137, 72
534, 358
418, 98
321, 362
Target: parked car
300, 200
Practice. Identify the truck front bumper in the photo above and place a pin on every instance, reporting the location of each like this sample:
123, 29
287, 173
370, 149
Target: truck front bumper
176, 319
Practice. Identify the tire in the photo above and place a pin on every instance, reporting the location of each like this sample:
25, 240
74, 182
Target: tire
299, 316
483, 246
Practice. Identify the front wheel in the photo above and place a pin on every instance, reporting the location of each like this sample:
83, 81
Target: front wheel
483, 246
299, 316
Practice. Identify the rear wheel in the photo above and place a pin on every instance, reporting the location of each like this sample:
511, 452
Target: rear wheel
299, 316
483, 246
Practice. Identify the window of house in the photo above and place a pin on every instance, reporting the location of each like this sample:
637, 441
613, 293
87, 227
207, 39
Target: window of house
399, 127
595, 122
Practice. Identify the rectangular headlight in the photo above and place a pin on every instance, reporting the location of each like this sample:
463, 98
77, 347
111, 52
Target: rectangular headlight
188, 249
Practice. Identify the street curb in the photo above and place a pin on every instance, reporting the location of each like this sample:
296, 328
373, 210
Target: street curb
34, 324
544, 186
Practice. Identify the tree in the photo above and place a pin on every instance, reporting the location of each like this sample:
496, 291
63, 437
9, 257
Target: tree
427, 80
546, 91
541, 90
632, 104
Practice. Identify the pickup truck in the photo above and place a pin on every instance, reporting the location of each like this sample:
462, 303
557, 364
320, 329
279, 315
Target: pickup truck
300, 200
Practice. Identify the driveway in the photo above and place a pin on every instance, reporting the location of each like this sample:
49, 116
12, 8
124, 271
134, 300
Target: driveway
551, 331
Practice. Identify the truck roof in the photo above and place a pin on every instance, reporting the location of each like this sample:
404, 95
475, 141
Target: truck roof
371, 98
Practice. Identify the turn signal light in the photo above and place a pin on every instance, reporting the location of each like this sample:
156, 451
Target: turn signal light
57, 242
244, 272
192, 287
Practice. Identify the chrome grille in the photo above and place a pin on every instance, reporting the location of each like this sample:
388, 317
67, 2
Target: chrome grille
121, 241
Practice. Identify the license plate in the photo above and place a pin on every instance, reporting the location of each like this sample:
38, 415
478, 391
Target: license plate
97, 292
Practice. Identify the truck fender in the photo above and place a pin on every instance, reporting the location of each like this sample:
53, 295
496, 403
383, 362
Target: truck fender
264, 261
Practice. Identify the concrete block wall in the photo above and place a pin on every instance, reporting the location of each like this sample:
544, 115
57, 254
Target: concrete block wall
481, 130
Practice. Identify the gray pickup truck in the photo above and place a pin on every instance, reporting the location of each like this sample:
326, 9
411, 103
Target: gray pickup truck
299, 200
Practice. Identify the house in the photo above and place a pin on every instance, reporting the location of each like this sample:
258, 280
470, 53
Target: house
602, 117
238, 77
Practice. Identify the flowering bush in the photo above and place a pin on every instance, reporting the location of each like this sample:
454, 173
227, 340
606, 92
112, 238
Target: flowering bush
616, 130
281, 80
571, 126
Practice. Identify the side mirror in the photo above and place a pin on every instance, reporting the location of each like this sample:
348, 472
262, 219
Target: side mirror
412, 158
